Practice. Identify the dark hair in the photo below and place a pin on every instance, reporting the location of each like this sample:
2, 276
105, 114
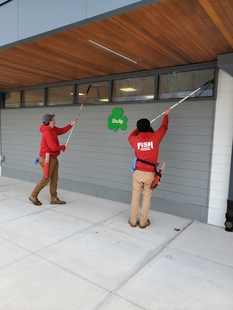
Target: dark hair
151, 129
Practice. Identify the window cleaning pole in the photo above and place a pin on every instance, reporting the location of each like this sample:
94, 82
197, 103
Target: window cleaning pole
83, 101
208, 82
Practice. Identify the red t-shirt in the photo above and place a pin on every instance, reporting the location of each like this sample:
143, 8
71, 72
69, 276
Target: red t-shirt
146, 145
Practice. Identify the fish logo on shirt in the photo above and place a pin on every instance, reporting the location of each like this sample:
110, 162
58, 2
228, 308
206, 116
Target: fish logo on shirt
145, 146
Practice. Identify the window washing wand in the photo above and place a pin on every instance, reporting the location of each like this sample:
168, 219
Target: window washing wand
158, 175
83, 101
202, 86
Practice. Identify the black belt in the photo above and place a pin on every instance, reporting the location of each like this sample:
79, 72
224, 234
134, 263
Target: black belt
146, 162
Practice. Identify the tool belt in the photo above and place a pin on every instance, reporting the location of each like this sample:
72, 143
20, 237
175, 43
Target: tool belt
158, 175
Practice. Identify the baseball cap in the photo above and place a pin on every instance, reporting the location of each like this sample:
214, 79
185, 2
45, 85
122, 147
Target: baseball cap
47, 118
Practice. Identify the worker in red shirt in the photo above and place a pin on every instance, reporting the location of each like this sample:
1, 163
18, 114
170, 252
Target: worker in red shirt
51, 148
146, 142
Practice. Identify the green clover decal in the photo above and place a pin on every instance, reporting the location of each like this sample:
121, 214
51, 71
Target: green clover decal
116, 120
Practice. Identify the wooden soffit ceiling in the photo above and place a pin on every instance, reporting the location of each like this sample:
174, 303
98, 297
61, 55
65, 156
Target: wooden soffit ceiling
164, 34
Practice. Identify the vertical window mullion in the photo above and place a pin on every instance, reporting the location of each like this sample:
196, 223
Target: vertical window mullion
45, 96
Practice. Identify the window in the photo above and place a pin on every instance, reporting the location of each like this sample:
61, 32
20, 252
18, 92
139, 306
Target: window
61, 95
180, 84
159, 84
32, 98
98, 93
11, 100
131, 89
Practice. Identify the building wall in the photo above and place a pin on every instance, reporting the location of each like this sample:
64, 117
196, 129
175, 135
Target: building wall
21, 20
98, 160
222, 148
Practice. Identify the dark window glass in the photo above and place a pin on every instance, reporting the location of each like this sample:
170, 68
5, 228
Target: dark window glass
98, 93
32, 98
181, 84
11, 100
134, 89
61, 95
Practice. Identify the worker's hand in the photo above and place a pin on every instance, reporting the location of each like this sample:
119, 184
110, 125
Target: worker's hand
74, 122
167, 111
66, 145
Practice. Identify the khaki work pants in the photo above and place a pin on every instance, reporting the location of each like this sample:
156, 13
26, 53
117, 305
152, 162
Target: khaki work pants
141, 184
53, 179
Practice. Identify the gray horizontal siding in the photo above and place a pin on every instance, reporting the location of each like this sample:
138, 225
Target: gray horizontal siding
187, 156
98, 160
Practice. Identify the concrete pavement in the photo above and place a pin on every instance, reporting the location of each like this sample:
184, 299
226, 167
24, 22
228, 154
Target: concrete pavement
85, 256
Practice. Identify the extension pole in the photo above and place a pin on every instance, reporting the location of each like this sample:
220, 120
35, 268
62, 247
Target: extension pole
83, 101
210, 81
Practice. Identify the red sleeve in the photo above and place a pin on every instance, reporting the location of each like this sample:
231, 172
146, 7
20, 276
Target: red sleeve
61, 131
160, 133
53, 144
133, 137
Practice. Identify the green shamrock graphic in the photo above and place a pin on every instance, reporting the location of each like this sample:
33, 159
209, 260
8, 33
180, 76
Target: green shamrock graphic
116, 120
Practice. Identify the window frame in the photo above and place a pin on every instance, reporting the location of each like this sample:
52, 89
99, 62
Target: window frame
111, 79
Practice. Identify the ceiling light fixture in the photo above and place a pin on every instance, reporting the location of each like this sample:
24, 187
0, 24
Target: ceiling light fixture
103, 100
128, 89
7, 81
108, 49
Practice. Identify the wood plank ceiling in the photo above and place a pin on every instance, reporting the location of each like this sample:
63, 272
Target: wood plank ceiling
164, 34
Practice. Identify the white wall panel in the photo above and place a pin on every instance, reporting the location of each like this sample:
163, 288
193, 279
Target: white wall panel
222, 144
221, 158
218, 186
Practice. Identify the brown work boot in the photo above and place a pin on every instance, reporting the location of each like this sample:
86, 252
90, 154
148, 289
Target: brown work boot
145, 225
35, 201
132, 224
57, 201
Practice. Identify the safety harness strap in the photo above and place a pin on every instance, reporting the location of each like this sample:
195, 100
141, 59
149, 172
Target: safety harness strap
151, 164
146, 162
